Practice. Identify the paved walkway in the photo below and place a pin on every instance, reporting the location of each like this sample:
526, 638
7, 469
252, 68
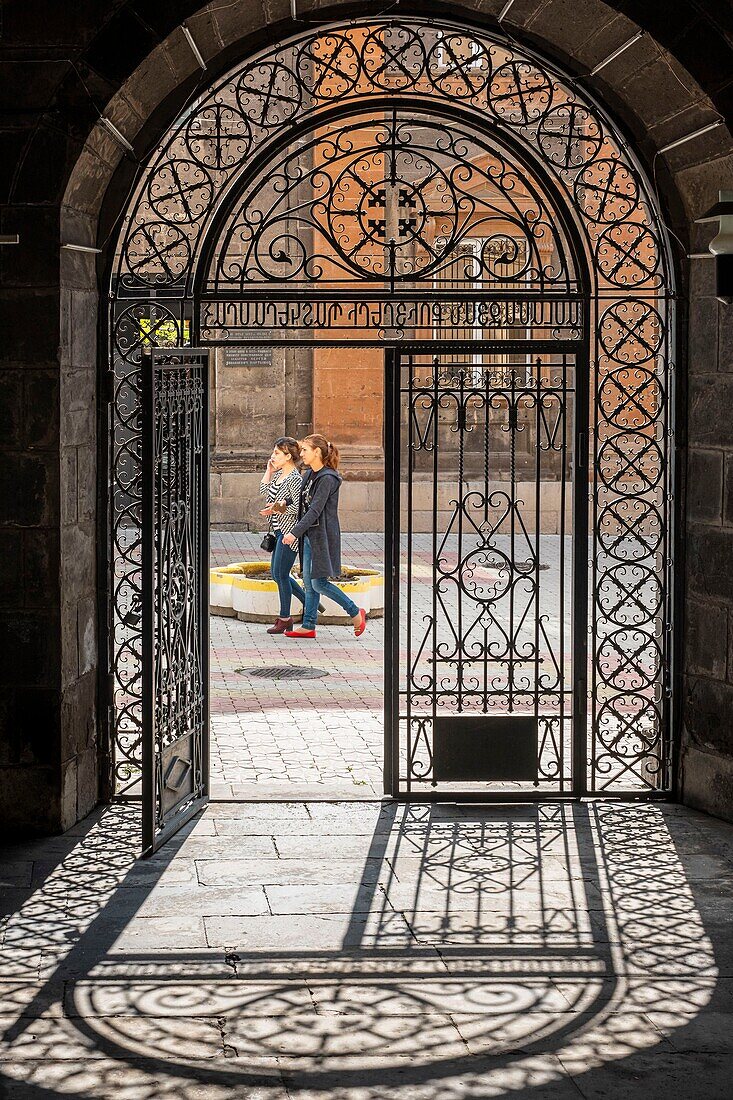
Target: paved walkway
299, 738
295, 738
365, 951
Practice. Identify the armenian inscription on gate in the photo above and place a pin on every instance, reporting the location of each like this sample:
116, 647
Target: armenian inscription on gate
221, 321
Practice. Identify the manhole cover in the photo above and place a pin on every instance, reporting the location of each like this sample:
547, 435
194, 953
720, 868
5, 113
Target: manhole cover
283, 672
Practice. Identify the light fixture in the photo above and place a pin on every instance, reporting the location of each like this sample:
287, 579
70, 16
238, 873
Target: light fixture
194, 48
81, 248
689, 137
9, 238
112, 129
616, 53
721, 246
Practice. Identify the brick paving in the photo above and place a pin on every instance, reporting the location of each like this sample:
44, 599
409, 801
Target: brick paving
291, 735
301, 737
365, 951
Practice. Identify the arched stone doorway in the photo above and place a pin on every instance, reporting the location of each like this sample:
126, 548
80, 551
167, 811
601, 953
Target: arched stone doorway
561, 251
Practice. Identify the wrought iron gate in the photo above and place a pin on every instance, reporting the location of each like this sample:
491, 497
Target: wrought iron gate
175, 597
390, 181
488, 496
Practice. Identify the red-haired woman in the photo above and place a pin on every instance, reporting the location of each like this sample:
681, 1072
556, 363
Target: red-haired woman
319, 535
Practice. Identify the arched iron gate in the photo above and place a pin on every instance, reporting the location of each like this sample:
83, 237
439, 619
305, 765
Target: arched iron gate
396, 181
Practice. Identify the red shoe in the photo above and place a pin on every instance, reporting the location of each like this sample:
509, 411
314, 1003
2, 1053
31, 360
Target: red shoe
280, 626
300, 633
360, 627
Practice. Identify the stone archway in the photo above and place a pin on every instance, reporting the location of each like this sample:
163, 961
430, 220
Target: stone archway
311, 232
157, 78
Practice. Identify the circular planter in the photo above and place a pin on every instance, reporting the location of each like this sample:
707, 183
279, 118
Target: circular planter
245, 590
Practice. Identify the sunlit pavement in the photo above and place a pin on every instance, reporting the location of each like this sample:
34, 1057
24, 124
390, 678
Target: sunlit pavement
321, 737
369, 950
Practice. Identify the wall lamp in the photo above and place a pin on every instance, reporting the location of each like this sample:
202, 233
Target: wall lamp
721, 247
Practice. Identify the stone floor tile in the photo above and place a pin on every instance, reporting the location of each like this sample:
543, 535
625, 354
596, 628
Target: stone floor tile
323, 899
287, 872
307, 933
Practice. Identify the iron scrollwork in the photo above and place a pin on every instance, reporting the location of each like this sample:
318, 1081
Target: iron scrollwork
438, 111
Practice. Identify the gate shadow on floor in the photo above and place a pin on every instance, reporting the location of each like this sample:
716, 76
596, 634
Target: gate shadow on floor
354, 950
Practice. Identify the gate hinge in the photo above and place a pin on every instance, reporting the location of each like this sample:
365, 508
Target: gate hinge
582, 451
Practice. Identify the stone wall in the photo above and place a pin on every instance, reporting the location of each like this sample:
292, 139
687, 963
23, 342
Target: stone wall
60, 175
707, 762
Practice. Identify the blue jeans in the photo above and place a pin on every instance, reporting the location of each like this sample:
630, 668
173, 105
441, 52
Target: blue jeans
320, 586
283, 559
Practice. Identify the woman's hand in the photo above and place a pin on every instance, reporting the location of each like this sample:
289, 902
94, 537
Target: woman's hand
289, 539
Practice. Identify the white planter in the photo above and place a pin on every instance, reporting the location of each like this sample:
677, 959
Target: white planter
244, 590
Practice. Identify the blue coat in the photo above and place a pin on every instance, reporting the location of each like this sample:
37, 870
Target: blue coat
318, 519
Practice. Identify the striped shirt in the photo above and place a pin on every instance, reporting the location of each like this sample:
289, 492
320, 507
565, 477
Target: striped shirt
280, 488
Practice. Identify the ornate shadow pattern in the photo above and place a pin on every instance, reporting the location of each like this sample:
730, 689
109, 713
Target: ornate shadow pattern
197, 240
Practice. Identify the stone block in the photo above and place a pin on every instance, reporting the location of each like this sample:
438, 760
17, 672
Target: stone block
91, 176
728, 491
30, 724
709, 422
611, 31
28, 490
68, 487
566, 24
67, 795
86, 483
78, 562
69, 644
707, 781
83, 345
708, 714
78, 716
30, 643
87, 781
11, 568
41, 565
87, 634
41, 409
706, 631
205, 32
705, 486
239, 19
699, 184
77, 405
709, 558
725, 334
11, 409
657, 93
703, 336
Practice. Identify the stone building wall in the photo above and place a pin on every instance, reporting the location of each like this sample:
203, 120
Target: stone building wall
63, 177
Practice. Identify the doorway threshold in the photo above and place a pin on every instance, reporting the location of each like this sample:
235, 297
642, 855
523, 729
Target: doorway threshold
292, 792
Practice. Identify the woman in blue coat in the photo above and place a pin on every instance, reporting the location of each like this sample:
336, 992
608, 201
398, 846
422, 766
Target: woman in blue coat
319, 535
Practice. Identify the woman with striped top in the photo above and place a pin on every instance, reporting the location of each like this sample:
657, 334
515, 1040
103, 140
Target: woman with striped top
281, 485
